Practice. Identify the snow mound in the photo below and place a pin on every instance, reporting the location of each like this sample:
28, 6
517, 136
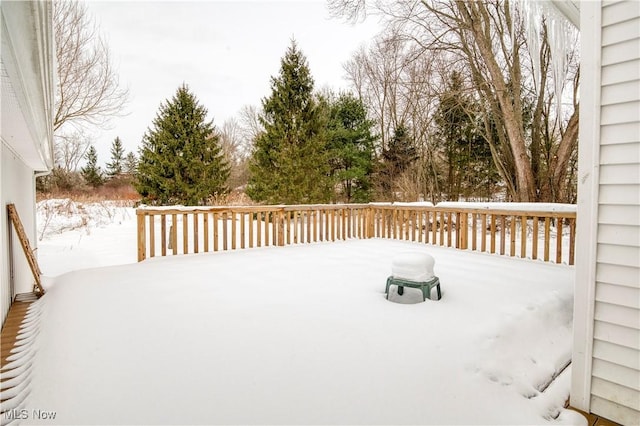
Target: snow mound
413, 266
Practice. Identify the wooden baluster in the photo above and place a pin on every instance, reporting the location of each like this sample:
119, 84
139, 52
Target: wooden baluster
559, 240
265, 228
205, 224
152, 235
414, 224
534, 245
425, 226
512, 244
195, 233
503, 233
547, 226
275, 227
225, 231
216, 231
185, 234
493, 233
327, 230
251, 213
572, 240
464, 229
234, 234
259, 216
523, 237
483, 230
332, 218
315, 225
163, 238
174, 233
295, 227
242, 230
434, 228
474, 231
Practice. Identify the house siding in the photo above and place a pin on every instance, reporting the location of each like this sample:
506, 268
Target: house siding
27, 79
615, 364
17, 187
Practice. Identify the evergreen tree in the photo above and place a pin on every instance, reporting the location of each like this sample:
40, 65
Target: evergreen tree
397, 157
351, 148
115, 167
469, 165
130, 164
289, 162
92, 173
181, 160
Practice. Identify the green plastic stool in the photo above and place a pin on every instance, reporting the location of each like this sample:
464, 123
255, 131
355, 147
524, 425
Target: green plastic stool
425, 286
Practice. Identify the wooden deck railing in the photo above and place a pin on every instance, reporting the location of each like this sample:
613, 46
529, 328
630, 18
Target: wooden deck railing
545, 235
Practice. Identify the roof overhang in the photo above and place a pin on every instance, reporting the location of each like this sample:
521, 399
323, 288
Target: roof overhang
28, 78
570, 9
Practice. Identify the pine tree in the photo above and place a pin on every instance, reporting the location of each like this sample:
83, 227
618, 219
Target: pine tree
351, 147
290, 162
130, 164
181, 160
115, 167
469, 164
397, 157
92, 173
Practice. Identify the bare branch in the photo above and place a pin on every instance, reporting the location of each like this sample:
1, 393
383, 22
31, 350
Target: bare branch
88, 92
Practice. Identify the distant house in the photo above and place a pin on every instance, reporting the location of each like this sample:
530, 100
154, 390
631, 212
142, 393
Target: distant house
26, 130
606, 343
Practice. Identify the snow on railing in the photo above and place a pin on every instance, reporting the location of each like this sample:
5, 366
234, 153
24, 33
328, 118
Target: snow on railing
526, 230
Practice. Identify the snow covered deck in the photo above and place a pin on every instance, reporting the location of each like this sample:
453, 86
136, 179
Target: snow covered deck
303, 334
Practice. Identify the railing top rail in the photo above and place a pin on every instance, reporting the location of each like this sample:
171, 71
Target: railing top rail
498, 212
148, 210
501, 209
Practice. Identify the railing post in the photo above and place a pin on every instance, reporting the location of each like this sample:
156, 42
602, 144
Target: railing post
463, 228
142, 237
281, 228
372, 222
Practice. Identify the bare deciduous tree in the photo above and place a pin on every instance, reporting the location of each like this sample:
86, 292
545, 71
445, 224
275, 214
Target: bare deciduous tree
398, 83
235, 142
250, 125
88, 87
70, 149
231, 140
532, 147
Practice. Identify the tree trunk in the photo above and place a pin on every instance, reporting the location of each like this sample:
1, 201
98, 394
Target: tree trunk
476, 15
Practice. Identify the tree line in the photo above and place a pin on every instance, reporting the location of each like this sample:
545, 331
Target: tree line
452, 101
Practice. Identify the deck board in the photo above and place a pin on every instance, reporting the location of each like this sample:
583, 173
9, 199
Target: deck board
594, 420
12, 326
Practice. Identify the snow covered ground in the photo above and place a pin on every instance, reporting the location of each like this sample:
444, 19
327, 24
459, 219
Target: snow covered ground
84, 235
295, 335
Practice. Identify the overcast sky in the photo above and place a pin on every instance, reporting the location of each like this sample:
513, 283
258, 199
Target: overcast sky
226, 52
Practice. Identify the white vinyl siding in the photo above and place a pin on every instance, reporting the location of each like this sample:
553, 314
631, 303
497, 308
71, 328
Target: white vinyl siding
619, 275
621, 134
623, 336
610, 410
615, 362
611, 352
